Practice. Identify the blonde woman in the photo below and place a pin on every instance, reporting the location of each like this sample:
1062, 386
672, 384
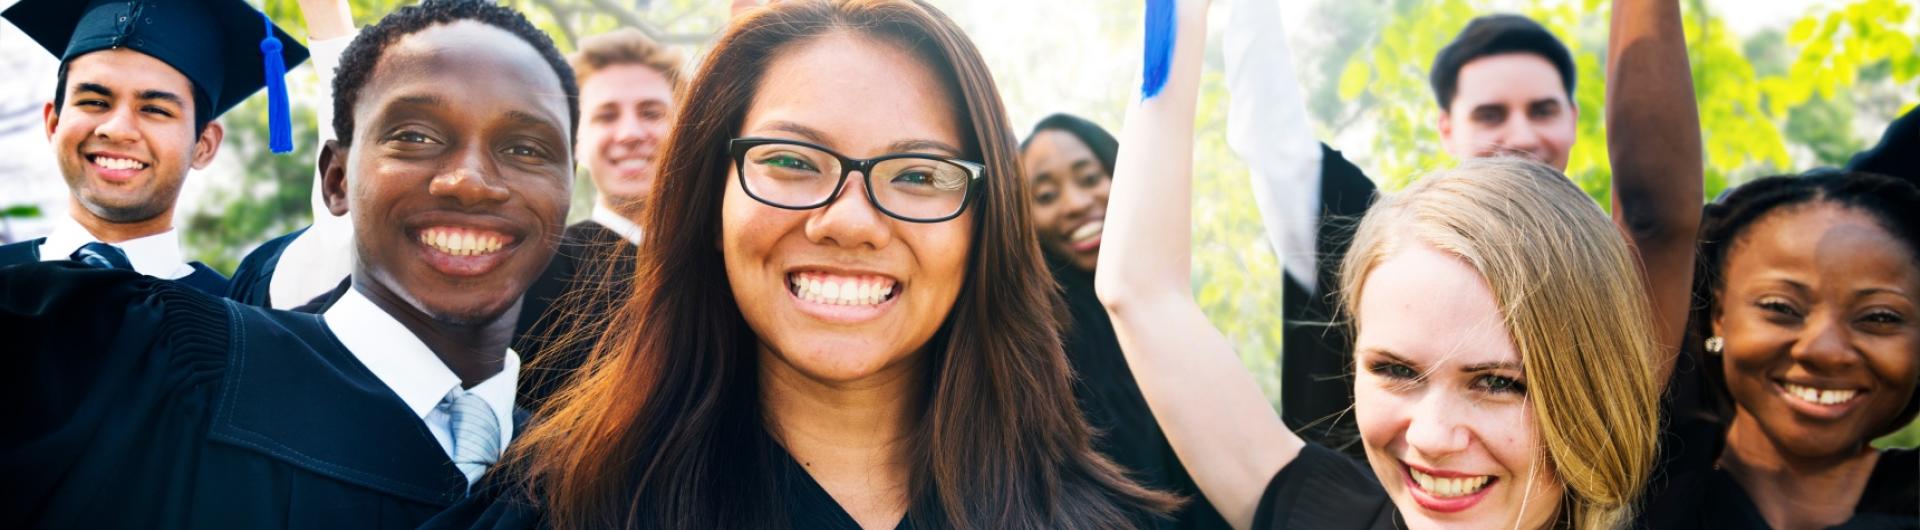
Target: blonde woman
1505, 351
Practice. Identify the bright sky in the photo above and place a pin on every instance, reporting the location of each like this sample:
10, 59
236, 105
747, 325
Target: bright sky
1088, 48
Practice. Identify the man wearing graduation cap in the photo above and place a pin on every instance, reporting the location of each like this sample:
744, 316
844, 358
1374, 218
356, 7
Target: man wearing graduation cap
140, 86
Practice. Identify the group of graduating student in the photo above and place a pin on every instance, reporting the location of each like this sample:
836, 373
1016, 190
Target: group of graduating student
823, 286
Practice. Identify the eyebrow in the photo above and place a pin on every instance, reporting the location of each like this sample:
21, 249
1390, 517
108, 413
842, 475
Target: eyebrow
531, 119
424, 100
900, 146
1499, 365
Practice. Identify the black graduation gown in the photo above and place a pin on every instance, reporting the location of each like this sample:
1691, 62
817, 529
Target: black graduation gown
1112, 403
500, 502
203, 277
145, 404
1316, 383
590, 274
1898, 153
252, 281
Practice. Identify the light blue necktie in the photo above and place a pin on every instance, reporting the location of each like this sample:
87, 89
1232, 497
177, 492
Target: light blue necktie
476, 434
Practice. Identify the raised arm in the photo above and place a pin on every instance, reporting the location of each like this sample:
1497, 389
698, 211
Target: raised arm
1653, 138
1213, 413
1267, 128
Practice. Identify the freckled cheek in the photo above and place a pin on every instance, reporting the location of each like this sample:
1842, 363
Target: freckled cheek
1380, 415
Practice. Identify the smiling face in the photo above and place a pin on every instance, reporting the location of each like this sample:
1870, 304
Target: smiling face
1069, 195
1821, 318
843, 292
1440, 398
1511, 103
458, 172
628, 110
125, 136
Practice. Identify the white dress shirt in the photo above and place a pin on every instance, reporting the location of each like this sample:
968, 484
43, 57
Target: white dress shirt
412, 371
619, 224
156, 255
314, 263
1268, 127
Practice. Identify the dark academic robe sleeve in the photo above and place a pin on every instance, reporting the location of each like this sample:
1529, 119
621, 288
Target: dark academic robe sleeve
1316, 390
144, 403
112, 375
253, 280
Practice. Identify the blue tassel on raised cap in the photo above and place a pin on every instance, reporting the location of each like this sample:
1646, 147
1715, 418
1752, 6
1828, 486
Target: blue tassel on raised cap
279, 117
1159, 59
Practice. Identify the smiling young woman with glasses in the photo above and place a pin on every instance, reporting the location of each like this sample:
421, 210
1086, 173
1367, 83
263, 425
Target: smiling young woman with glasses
840, 319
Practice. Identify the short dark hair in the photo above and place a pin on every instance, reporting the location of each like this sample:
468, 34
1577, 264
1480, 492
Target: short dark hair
1497, 35
357, 62
1890, 202
1098, 140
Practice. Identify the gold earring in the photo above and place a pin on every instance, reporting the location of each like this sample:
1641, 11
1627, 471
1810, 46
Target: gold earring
1715, 344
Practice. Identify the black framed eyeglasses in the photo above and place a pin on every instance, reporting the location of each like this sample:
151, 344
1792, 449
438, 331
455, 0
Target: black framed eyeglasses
796, 175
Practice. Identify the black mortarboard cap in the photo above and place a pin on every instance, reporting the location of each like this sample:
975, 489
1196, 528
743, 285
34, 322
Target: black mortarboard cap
226, 48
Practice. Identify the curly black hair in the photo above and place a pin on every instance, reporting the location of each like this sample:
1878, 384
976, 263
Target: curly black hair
1497, 35
357, 62
1888, 201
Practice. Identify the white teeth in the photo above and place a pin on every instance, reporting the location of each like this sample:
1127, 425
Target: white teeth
1449, 487
118, 163
461, 242
1819, 396
1087, 232
823, 289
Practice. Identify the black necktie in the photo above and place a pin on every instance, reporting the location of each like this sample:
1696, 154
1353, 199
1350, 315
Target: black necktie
102, 255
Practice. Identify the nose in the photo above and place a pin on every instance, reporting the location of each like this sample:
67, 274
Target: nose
1520, 138
629, 129
119, 127
1075, 202
1434, 429
851, 220
472, 181
1824, 346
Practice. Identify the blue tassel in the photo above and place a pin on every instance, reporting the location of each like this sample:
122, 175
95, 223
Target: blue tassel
279, 117
1159, 59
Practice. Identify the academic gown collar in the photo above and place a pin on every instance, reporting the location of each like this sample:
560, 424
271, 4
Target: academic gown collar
294, 393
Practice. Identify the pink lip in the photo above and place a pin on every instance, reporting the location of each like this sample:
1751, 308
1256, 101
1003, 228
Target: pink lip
1435, 504
1087, 246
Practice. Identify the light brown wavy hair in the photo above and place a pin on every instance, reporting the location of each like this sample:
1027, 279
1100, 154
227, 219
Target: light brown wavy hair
665, 428
1572, 299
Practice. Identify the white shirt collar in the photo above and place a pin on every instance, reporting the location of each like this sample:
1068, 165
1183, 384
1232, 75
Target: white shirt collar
407, 366
156, 255
614, 221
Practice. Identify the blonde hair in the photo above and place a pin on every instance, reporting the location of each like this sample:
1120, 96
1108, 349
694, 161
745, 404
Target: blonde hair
1573, 300
627, 46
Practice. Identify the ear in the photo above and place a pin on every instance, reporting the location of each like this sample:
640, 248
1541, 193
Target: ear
1715, 313
51, 116
207, 145
333, 176
1444, 122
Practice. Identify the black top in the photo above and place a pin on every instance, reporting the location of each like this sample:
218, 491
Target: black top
139, 403
1688, 491
252, 281
1316, 383
1111, 401
590, 275
502, 504
1898, 153
1323, 489
203, 277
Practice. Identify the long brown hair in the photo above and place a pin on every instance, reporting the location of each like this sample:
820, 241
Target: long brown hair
665, 429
